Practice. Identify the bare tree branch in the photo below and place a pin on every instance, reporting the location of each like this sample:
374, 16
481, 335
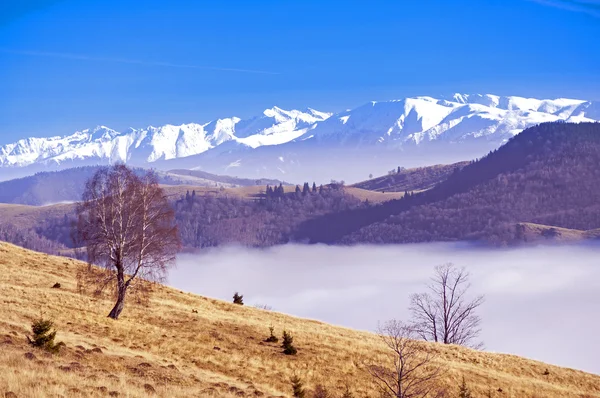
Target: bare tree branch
445, 314
411, 373
128, 227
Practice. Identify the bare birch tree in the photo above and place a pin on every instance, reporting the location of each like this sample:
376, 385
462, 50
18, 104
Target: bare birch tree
412, 373
445, 314
128, 227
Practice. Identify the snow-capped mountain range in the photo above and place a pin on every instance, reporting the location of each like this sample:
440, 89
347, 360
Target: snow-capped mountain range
300, 144
275, 126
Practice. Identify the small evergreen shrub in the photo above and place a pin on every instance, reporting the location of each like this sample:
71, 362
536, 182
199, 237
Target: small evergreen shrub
272, 338
287, 344
238, 298
43, 336
463, 390
297, 387
56, 286
320, 392
347, 393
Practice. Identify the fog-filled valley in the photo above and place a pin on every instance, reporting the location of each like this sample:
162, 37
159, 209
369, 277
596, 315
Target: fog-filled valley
541, 302
300, 199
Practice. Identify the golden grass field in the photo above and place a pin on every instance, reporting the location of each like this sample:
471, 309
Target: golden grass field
533, 232
165, 348
26, 216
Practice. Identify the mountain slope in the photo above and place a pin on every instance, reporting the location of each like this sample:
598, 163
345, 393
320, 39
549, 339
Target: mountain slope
67, 185
147, 145
416, 179
299, 145
412, 132
162, 345
546, 175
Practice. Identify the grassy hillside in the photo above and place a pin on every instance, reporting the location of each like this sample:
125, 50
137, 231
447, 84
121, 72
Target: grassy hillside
189, 176
67, 185
415, 179
167, 347
530, 232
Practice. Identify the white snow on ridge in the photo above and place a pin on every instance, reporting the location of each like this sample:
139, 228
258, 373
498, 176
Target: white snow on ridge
150, 144
393, 124
459, 118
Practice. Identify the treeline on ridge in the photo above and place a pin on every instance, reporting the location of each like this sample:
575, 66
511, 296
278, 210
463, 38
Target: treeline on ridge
547, 174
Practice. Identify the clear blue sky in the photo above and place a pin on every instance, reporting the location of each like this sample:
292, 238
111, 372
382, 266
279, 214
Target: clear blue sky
67, 65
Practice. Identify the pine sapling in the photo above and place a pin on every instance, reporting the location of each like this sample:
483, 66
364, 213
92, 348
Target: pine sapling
272, 338
297, 387
238, 298
464, 391
287, 344
43, 336
347, 393
321, 392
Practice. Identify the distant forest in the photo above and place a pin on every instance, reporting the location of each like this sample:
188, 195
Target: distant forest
548, 174
272, 219
213, 220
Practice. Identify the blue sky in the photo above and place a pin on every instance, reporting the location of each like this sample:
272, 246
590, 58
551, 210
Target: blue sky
67, 65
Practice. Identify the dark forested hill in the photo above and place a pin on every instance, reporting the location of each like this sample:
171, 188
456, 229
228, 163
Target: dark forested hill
415, 179
547, 175
269, 220
205, 218
544, 182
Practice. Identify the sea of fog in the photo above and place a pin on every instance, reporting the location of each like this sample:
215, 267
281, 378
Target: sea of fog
541, 302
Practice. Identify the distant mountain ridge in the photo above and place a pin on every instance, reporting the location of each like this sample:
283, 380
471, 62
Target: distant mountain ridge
301, 144
150, 144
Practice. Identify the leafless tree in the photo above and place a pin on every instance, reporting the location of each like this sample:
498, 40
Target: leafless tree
445, 314
412, 373
128, 227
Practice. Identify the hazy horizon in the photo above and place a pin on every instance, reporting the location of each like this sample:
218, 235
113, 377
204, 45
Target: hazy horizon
536, 301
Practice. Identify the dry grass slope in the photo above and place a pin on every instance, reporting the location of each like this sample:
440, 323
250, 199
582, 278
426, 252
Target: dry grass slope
166, 349
537, 232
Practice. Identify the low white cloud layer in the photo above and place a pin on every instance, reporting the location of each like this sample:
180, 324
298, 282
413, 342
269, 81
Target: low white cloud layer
541, 302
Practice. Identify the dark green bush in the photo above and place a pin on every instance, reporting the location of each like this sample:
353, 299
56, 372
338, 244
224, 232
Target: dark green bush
297, 387
347, 393
238, 298
43, 336
272, 338
320, 392
463, 390
287, 344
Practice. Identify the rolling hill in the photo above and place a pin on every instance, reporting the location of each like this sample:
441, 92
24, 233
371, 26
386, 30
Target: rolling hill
67, 185
207, 216
181, 345
546, 175
415, 179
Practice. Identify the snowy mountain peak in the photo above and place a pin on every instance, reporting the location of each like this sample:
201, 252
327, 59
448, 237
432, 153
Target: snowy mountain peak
483, 120
150, 144
458, 118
